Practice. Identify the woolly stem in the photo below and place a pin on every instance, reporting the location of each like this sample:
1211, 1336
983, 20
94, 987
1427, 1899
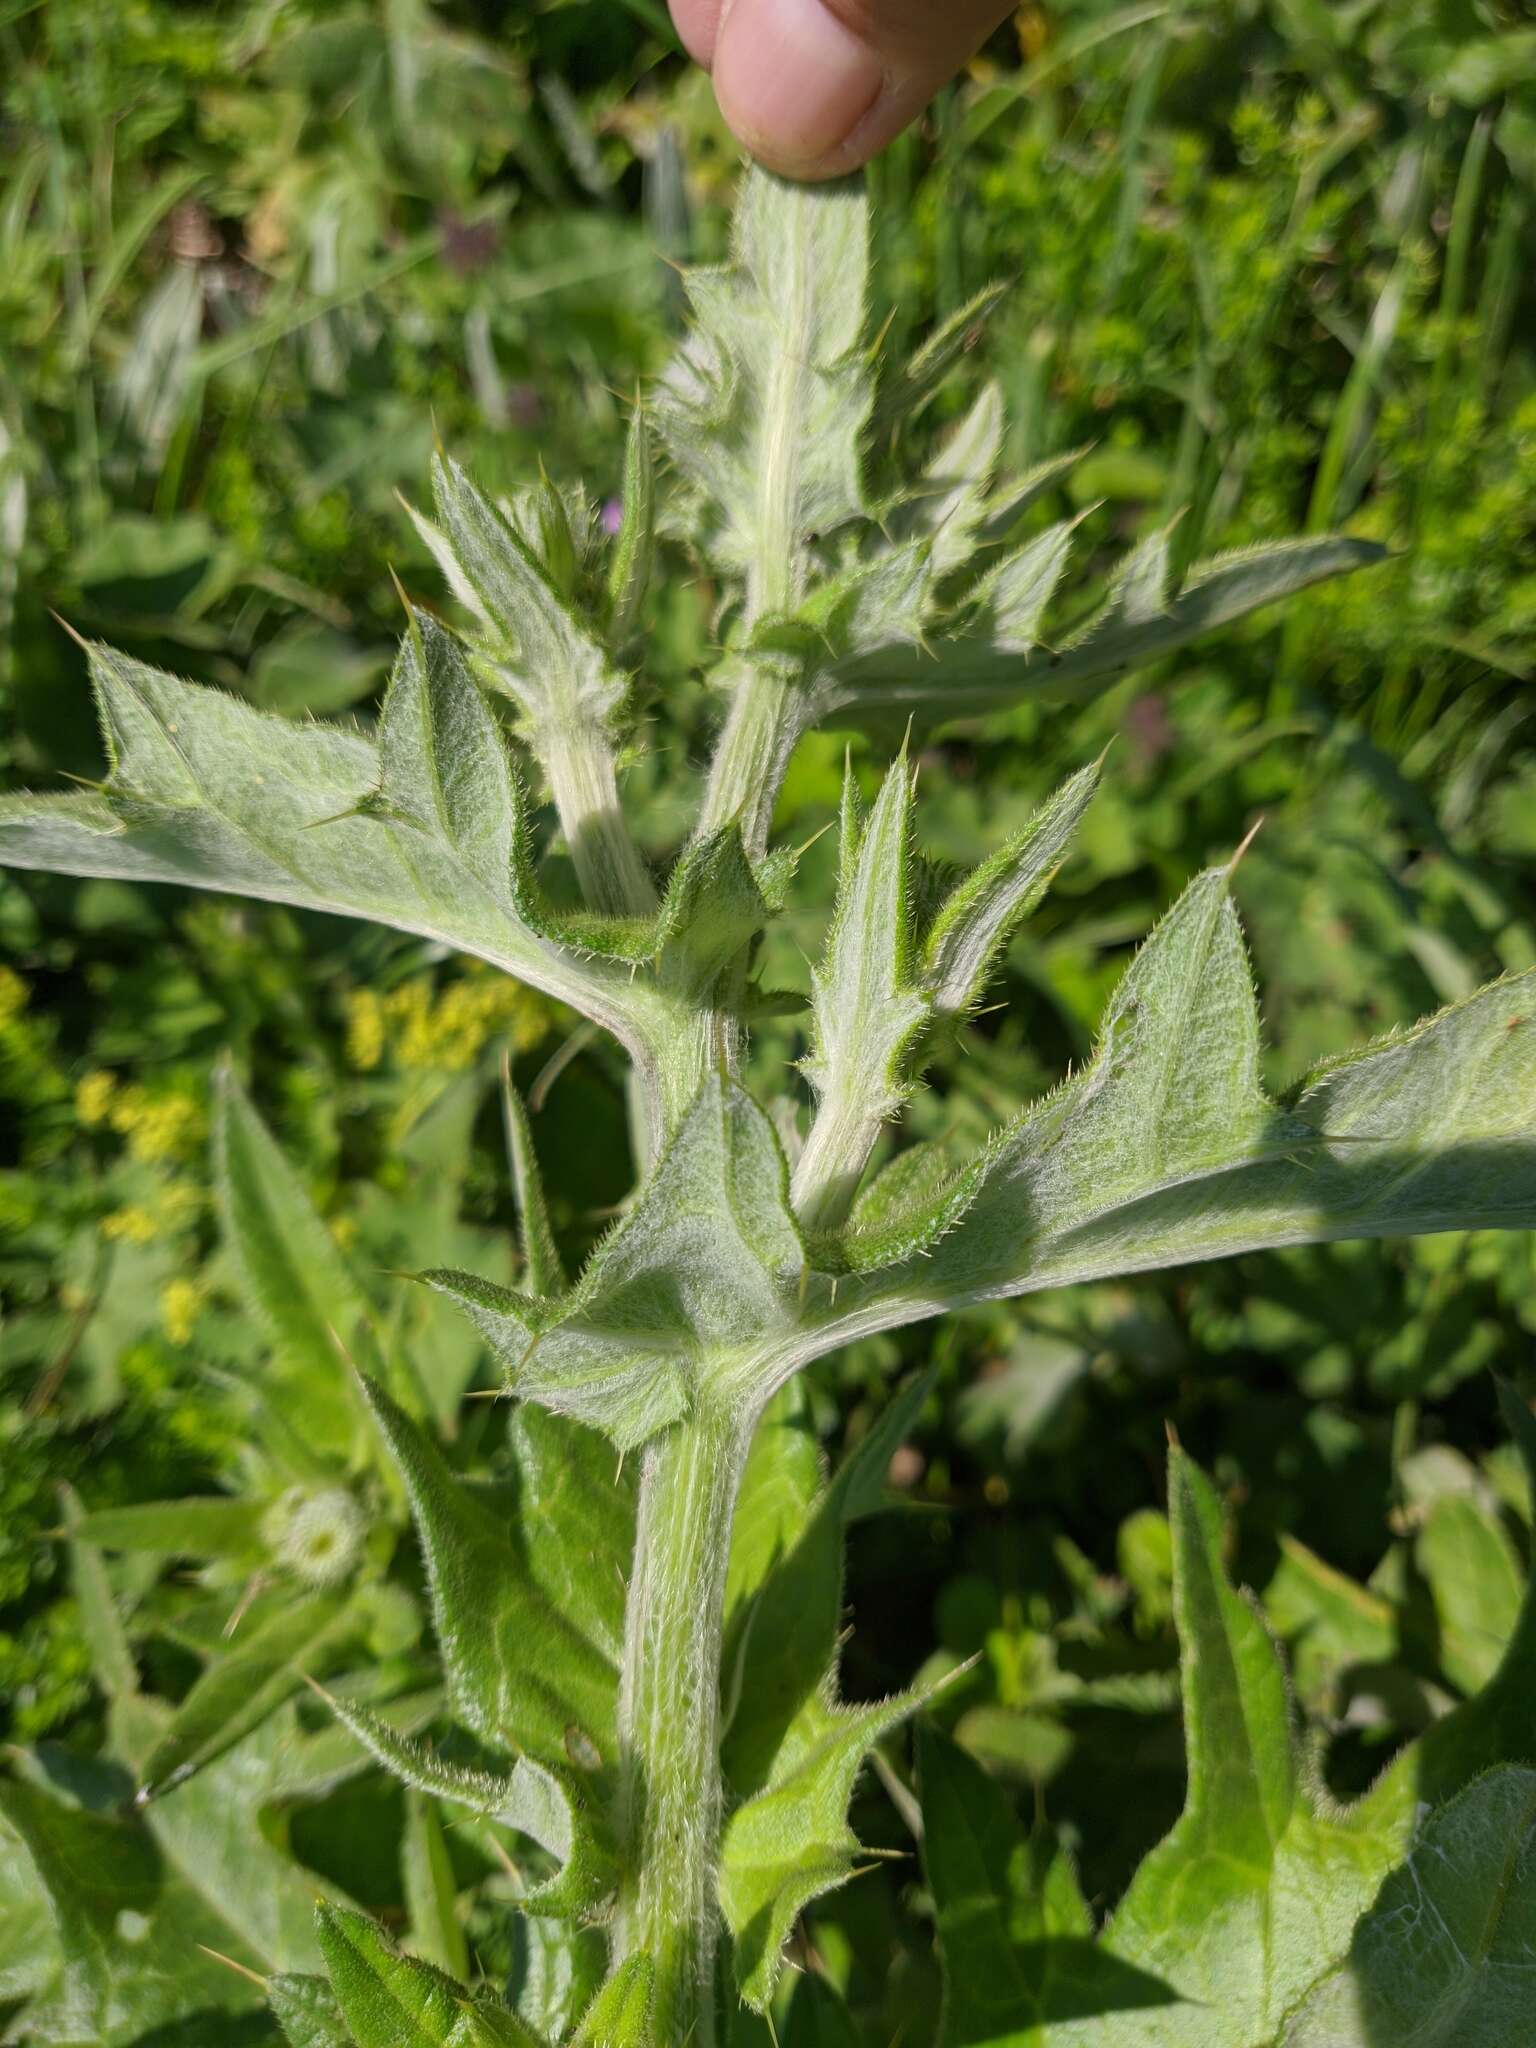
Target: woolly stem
584, 784
669, 1713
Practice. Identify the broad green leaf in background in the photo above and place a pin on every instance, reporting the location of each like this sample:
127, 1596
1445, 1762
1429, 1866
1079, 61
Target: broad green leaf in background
293, 1274
1254, 1897
266, 1664
130, 1932
1013, 1928
1475, 1580
1444, 1957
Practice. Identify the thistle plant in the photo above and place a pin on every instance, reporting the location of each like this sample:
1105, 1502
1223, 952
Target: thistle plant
643, 1668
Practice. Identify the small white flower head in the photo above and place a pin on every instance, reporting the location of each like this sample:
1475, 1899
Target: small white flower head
317, 1536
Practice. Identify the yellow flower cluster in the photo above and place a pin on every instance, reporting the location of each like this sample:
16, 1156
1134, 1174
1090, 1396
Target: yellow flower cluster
142, 1223
158, 1125
180, 1301
443, 1030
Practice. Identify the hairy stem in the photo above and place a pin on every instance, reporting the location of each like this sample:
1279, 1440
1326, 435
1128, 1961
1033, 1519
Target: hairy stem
766, 718
829, 1170
584, 783
670, 1716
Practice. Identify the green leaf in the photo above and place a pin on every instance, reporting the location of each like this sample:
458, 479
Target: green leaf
219, 1526
1011, 601
1013, 1930
112, 1659
695, 1286
790, 1752
430, 1889
1498, 1722
779, 1487
953, 495
781, 1656
128, 1929
389, 2000
764, 408
292, 1273
1443, 1958
266, 1664
976, 922
1475, 1581
620, 2015
523, 1673
306, 2010
210, 1831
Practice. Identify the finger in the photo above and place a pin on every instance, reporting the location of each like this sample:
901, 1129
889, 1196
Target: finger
696, 22
815, 87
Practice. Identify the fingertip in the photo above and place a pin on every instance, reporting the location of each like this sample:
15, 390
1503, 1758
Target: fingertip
698, 24
795, 84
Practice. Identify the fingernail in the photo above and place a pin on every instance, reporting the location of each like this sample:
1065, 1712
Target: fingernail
791, 80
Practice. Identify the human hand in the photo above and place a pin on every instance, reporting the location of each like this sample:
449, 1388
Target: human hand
815, 87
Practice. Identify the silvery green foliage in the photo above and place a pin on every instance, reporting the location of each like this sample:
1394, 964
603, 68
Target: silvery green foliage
644, 1679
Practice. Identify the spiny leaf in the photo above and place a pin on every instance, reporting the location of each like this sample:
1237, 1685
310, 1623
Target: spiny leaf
443, 765
697, 1284
791, 1753
785, 1657
634, 547
1166, 1150
867, 1003
542, 1269
545, 1804
968, 935
968, 675
620, 2015
955, 485
791, 1842
529, 643
389, 2000
1011, 601
208, 793
906, 390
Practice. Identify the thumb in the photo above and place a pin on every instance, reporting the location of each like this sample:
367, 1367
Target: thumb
815, 87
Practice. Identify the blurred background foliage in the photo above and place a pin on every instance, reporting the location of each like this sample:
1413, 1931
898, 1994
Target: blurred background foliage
1271, 259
